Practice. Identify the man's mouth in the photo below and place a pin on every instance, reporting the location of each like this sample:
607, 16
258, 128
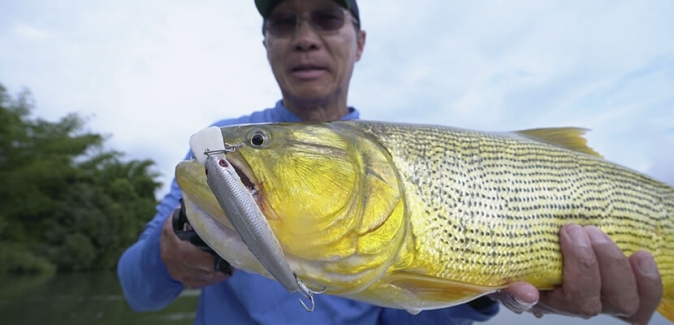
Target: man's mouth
307, 71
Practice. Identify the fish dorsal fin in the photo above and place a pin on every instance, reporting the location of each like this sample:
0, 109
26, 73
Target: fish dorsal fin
565, 137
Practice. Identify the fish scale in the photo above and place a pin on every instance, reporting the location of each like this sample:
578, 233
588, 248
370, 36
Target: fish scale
488, 190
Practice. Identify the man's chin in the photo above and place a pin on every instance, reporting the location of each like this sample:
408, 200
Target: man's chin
310, 95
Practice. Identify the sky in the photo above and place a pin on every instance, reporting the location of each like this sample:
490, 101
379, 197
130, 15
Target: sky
151, 73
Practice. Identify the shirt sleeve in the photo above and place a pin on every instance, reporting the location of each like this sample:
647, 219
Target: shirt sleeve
465, 314
144, 278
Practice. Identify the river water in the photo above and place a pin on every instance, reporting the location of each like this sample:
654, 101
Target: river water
96, 298
79, 299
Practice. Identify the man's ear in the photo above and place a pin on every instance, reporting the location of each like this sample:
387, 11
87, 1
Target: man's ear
360, 42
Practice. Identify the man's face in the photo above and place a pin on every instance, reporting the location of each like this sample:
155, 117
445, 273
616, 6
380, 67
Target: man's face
313, 60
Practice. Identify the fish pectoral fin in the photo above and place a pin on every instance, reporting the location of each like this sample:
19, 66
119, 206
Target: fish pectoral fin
435, 289
414, 311
568, 138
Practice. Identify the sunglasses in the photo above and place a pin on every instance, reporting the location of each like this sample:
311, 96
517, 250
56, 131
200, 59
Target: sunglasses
285, 24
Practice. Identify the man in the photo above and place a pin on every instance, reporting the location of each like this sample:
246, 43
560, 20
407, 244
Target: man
312, 47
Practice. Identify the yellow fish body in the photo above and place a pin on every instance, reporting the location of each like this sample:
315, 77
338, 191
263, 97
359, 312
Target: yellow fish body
421, 217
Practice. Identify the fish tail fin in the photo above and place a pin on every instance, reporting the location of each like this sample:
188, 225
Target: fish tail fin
666, 309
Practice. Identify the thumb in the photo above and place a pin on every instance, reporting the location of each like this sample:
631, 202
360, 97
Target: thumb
518, 297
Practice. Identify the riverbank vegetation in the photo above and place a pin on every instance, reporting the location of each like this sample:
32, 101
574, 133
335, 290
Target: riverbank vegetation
66, 202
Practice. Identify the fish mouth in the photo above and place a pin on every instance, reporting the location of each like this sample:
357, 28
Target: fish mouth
245, 174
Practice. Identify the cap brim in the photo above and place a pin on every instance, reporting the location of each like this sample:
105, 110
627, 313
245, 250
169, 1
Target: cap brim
264, 6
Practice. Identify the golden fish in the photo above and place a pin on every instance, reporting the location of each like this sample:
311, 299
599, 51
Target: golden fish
422, 217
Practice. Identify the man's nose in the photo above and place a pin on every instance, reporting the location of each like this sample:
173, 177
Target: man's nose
305, 38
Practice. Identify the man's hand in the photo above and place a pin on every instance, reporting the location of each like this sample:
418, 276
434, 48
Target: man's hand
597, 279
185, 262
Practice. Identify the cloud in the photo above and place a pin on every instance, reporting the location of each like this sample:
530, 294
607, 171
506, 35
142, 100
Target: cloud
660, 162
512, 62
31, 32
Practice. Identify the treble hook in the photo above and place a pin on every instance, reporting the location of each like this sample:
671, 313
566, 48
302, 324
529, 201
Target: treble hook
305, 291
228, 149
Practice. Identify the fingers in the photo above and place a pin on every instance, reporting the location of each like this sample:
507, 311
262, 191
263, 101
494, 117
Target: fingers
619, 295
192, 258
194, 271
598, 278
518, 297
649, 287
580, 293
186, 263
194, 280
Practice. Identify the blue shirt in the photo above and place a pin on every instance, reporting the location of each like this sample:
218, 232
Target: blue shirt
249, 298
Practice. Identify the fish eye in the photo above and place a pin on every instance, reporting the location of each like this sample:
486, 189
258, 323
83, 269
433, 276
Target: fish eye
258, 138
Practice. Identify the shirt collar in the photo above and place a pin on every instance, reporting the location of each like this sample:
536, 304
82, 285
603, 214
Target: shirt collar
286, 115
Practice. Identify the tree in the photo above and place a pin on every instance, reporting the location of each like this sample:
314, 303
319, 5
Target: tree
66, 203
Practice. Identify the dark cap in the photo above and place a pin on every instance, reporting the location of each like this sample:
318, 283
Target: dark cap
265, 7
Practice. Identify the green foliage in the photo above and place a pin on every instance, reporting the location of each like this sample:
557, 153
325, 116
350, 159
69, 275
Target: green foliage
17, 260
64, 200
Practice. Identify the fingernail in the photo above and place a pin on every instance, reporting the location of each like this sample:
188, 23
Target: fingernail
648, 266
511, 302
577, 235
525, 305
596, 236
